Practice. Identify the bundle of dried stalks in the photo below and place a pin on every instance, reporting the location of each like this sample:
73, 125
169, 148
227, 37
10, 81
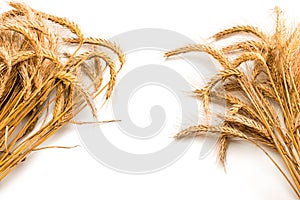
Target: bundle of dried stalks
263, 103
44, 63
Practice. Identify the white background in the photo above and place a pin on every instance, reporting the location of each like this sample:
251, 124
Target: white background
74, 174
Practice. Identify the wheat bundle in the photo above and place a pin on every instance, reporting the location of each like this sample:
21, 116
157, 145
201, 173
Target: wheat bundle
261, 79
44, 61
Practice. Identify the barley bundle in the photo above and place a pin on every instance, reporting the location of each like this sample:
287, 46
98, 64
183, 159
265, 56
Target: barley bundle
261, 79
44, 63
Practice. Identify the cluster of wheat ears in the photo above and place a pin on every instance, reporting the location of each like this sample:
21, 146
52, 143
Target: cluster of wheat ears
259, 83
43, 60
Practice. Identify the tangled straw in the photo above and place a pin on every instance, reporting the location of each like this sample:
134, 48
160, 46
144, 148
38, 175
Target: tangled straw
254, 97
45, 62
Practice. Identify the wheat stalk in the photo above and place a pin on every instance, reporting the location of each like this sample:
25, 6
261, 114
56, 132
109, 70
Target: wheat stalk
35, 73
273, 82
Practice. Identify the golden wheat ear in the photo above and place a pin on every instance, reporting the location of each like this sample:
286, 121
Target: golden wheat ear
38, 80
252, 100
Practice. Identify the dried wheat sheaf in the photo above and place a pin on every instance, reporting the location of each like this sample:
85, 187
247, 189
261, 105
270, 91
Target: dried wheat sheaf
45, 61
261, 80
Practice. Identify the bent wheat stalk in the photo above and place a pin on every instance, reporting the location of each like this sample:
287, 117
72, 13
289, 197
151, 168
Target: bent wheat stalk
273, 82
45, 61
